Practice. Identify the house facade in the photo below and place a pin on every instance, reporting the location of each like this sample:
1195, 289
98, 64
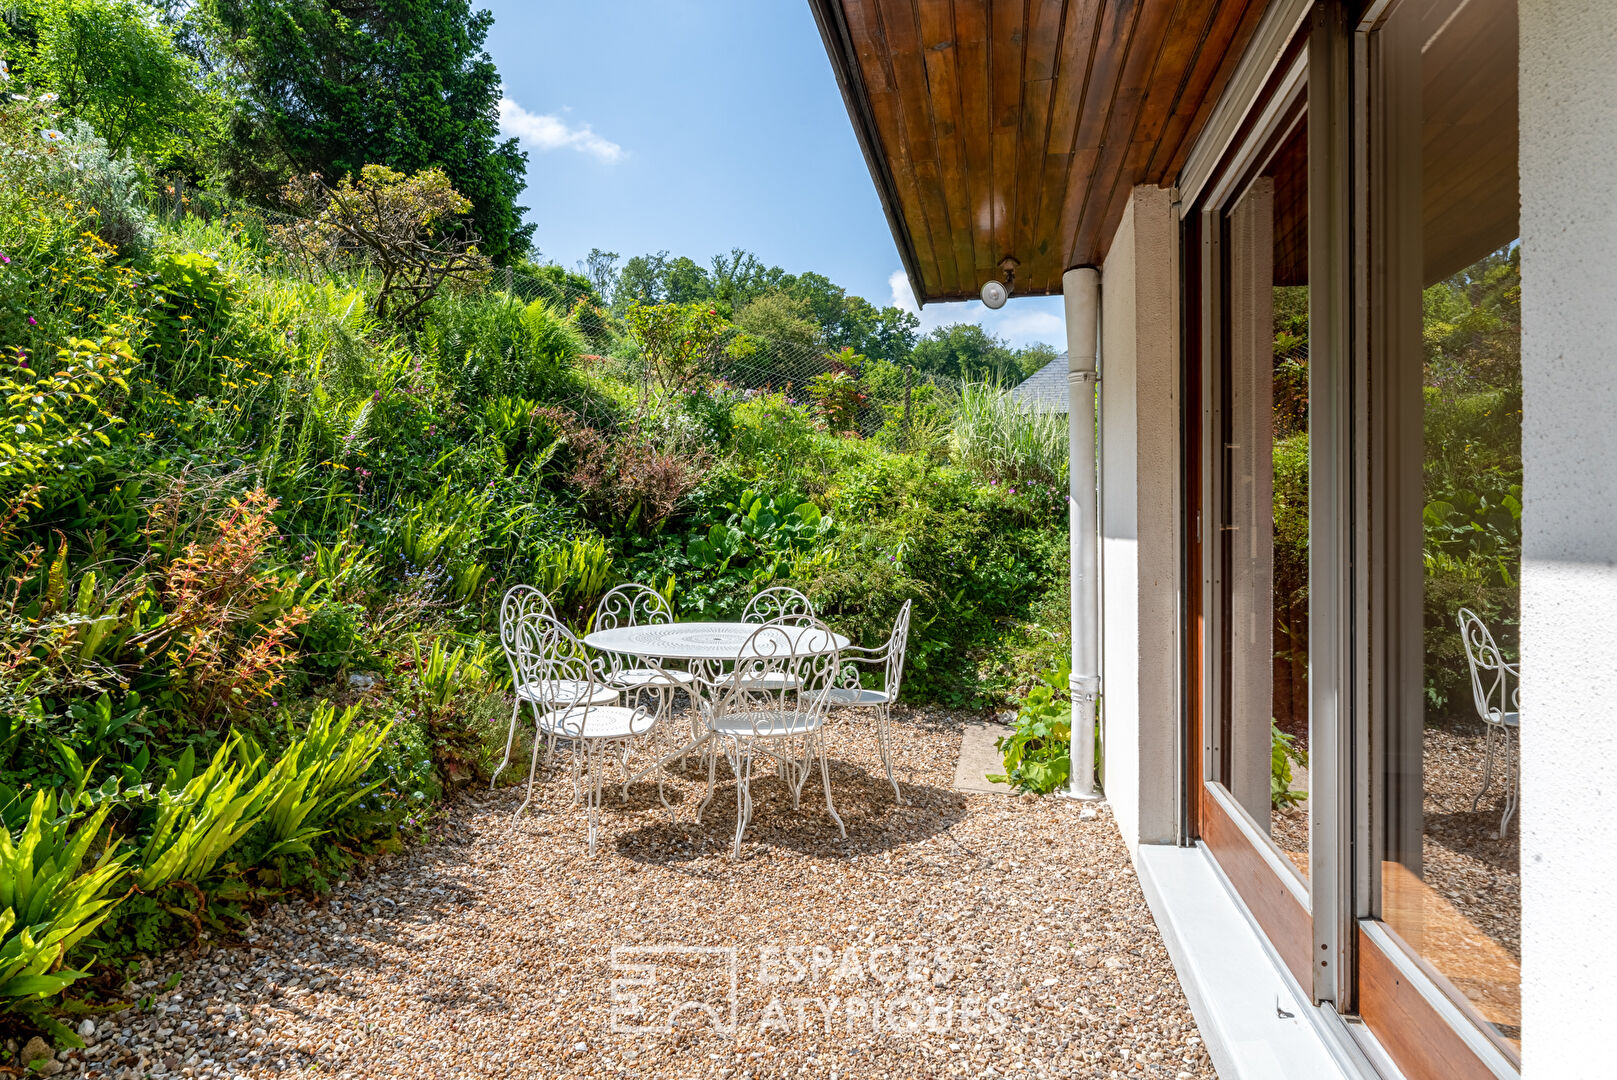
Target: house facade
1341, 283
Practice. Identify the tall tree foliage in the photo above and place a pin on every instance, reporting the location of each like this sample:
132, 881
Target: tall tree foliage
805, 307
116, 67
967, 351
330, 86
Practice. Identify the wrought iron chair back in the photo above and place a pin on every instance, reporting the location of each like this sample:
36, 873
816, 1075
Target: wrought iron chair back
889, 656
783, 676
517, 602
1491, 674
551, 656
778, 602
632, 605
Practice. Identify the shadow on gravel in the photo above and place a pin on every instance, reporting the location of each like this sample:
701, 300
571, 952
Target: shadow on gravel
864, 801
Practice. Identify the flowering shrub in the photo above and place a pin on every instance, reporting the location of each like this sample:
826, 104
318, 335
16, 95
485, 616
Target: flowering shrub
222, 657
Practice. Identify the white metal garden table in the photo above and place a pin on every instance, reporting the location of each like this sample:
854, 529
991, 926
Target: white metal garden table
708, 648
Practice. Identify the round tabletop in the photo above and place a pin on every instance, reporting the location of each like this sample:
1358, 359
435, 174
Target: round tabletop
711, 640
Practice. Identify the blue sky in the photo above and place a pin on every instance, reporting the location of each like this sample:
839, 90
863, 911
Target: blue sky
698, 126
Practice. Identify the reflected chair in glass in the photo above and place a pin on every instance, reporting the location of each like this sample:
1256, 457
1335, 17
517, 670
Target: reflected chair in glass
549, 655
850, 693
1495, 689
784, 724
519, 602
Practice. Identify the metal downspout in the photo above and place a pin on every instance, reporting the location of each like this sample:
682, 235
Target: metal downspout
1080, 293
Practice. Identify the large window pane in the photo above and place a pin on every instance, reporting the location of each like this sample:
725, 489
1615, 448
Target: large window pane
1263, 530
1450, 883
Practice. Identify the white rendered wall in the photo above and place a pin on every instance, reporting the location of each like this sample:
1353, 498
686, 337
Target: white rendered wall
1569, 543
1139, 389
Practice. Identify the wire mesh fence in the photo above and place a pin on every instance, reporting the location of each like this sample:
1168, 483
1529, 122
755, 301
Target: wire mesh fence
878, 394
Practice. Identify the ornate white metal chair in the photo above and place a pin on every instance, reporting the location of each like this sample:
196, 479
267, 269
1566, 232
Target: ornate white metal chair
638, 605
1495, 689
785, 724
519, 602
778, 602
849, 691
549, 655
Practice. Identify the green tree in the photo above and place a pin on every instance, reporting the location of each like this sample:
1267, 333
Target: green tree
966, 351
115, 67
329, 86
779, 317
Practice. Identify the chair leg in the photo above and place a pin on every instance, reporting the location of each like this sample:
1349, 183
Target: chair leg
743, 771
1513, 764
592, 757
712, 755
825, 777
1487, 769
884, 736
623, 764
533, 769
801, 771
510, 737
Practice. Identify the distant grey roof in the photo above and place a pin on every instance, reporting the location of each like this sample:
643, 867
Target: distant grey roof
1046, 389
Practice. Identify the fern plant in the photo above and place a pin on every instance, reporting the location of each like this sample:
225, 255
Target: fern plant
49, 902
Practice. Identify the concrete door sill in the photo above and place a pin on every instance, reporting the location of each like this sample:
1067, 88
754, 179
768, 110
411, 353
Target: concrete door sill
1254, 1018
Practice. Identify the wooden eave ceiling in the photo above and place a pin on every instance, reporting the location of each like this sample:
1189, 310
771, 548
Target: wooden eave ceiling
1018, 127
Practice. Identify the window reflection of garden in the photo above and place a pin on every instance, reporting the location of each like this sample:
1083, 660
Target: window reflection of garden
1460, 909
1288, 825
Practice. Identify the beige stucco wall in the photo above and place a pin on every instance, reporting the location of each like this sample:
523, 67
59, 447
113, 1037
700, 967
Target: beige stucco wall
1139, 510
1569, 533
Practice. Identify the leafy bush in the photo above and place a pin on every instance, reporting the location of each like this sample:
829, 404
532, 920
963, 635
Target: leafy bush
774, 437
49, 902
488, 345
1037, 752
1283, 753
111, 187
402, 225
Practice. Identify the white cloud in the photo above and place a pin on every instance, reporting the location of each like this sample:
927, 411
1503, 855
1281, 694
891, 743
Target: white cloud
1023, 321
545, 131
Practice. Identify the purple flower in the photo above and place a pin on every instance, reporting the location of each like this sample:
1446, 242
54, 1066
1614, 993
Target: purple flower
376, 396
273, 703
993, 483
1013, 491
31, 321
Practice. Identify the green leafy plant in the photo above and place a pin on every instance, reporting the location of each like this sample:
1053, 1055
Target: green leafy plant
838, 393
198, 817
49, 902
50, 416
1038, 750
574, 574
1283, 754
317, 777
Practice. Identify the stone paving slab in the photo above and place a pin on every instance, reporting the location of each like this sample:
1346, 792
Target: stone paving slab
978, 758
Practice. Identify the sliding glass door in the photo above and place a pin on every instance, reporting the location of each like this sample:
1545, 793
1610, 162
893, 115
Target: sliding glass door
1444, 329
1253, 519
1354, 404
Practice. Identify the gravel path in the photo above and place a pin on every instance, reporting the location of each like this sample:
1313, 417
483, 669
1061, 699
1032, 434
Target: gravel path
976, 935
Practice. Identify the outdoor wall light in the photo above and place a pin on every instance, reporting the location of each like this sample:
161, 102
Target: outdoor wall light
996, 293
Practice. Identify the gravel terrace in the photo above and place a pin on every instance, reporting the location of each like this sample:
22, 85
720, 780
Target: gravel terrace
964, 935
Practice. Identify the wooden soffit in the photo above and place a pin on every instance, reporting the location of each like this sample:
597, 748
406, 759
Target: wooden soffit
999, 128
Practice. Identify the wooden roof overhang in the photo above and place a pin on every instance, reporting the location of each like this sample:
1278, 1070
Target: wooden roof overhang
1017, 128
